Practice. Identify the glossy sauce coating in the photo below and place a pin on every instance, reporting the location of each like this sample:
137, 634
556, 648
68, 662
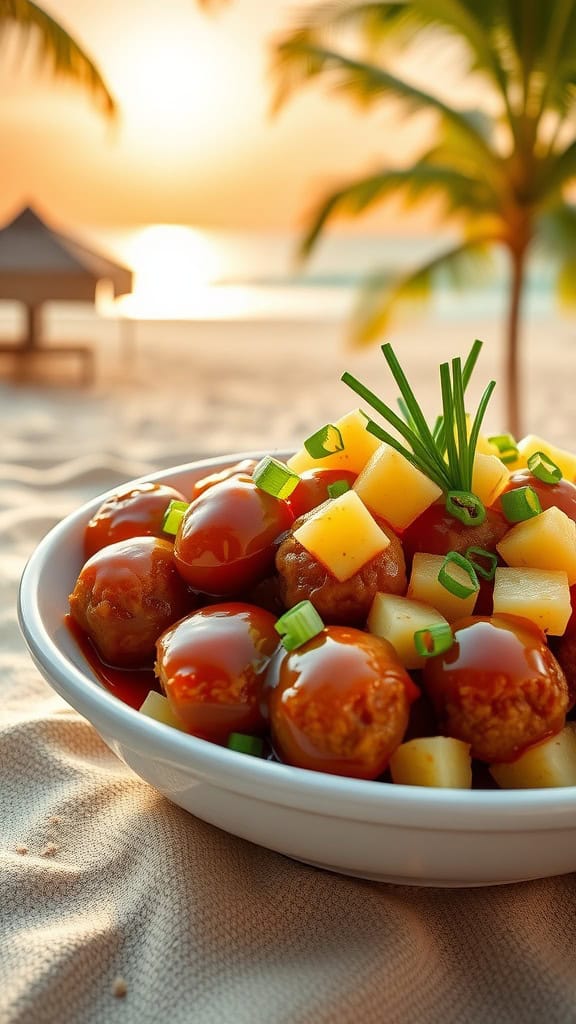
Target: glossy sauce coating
339, 704
126, 595
226, 541
436, 532
138, 512
499, 687
211, 666
130, 685
312, 490
562, 494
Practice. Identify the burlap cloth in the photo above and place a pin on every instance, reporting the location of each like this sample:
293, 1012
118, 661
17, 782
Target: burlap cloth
116, 906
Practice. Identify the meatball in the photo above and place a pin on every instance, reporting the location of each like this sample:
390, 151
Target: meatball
138, 512
499, 687
126, 595
211, 666
339, 703
303, 577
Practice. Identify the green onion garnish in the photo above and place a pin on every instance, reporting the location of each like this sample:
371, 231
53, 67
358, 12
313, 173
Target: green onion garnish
454, 585
246, 744
337, 488
520, 504
173, 516
544, 469
446, 453
466, 507
433, 640
298, 625
275, 477
507, 447
478, 557
324, 442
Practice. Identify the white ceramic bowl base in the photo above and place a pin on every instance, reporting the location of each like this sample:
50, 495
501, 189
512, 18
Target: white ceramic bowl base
404, 834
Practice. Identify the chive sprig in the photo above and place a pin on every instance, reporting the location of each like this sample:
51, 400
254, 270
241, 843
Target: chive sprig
444, 454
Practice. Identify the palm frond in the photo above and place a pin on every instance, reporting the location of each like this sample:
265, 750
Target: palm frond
57, 50
556, 232
398, 22
555, 172
381, 299
458, 192
299, 60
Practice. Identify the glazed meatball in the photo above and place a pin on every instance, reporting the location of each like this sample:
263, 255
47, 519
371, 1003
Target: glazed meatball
499, 687
138, 512
339, 703
303, 577
126, 595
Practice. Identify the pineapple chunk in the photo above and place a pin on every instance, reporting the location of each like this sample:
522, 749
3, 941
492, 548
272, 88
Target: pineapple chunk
425, 586
158, 707
489, 477
394, 489
342, 535
547, 541
397, 619
359, 445
550, 763
433, 761
565, 460
541, 595
484, 446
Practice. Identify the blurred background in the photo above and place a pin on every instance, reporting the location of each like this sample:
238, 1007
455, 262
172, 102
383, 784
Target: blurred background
407, 152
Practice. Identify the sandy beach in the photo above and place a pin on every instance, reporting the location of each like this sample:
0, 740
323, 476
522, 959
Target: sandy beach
173, 391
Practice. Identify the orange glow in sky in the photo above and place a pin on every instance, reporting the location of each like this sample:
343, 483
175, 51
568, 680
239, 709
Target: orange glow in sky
195, 143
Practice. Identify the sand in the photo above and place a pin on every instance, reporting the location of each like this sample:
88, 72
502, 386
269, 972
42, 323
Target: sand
172, 392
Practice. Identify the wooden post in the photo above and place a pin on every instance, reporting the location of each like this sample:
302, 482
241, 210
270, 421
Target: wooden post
33, 325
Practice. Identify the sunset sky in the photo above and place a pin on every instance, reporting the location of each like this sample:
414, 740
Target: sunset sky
195, 143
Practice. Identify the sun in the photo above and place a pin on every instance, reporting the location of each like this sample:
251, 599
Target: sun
173, 268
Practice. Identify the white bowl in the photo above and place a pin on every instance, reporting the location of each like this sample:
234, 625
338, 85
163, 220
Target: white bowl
390, 833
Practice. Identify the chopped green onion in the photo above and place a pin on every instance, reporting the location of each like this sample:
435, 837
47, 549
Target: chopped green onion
275, 477
435, 639
245, 744
520, 504
298, 625
478, 556
544, 469
507, 447
325, 441
466, 507
453, 585
337, 488
173, 516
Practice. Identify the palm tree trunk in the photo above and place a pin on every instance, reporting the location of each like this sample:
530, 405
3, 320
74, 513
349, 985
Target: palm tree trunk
512, 361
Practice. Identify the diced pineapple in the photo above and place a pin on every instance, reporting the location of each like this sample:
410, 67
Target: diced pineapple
485, 447
394, 489
425, 586
359, 445
397, 619
547, 541
551, 763
489, 477
158, 707
565, 460
541, 595
432, 761
342, 535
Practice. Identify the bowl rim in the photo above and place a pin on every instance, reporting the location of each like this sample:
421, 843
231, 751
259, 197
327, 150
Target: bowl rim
413, 807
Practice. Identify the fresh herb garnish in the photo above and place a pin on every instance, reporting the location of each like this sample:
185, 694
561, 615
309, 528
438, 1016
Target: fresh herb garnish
446, 453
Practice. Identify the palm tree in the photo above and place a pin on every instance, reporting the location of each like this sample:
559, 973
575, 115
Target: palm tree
502, 172
62, 55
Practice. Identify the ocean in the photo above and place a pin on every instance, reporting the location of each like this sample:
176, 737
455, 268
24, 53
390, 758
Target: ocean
187, 274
